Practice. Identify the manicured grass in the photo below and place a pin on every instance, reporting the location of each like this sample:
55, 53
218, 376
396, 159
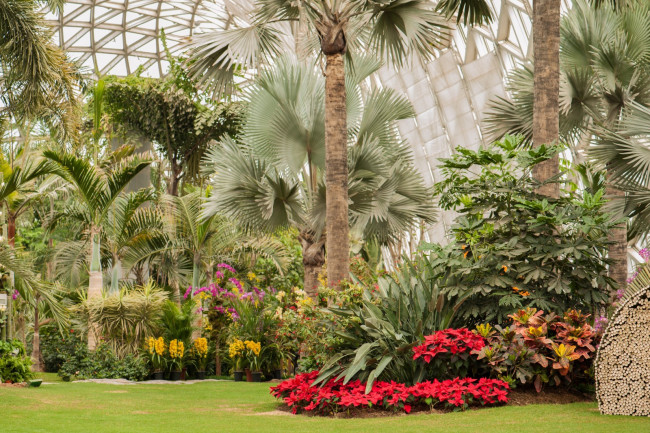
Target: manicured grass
248, 407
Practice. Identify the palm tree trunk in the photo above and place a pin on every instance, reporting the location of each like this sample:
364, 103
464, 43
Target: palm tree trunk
95, 284
313, 259
546, 105
336, 172
618, 249
196, 282
11, 228
37, 360
116, 274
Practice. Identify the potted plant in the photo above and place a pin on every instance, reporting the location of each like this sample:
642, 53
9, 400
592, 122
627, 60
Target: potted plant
253, 350
236, 352
157, 349
201, 356
176, 353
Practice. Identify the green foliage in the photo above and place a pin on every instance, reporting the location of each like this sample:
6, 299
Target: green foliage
266, 269
57, 346
389, 322
14, 362
513, 248
102, 364
171, 116
176, 323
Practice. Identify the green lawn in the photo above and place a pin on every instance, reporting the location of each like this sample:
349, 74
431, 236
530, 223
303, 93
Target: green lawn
248, 407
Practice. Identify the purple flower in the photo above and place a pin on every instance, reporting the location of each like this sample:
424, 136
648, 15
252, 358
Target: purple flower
187, 292
227, 267
600, 323
15, 295
236, 282
620, 293
645, 254
218, 274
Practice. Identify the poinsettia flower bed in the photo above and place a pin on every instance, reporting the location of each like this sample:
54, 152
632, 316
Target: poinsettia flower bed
301, 395
453, 341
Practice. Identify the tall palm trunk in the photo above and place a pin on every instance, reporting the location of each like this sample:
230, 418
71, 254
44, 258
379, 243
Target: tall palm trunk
313, 259
618, 236
116, 274
37, 359
95, 283
196, 282
546, 106
336, 171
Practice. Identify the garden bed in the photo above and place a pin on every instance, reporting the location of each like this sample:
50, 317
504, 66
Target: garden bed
517, 397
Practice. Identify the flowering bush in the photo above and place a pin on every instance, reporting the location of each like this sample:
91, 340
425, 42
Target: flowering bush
450, 353
541, 348
300, 394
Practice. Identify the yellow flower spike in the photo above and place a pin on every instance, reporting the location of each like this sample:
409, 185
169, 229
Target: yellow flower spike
465, 255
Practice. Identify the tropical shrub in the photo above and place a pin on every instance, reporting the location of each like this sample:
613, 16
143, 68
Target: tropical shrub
14, 362
103, 363
302, 394
57, 346
513, 248
125, 319
391, 319
541, 349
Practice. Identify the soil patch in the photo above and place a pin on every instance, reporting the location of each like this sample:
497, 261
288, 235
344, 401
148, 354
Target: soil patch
13, 385
523, 397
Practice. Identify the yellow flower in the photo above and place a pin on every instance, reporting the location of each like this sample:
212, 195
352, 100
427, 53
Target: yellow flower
201, 347
152, 344
251, 276
160, 345
505, 268
176, 349
236, 348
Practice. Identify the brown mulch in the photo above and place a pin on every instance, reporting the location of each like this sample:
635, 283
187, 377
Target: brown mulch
13, 385
524, 397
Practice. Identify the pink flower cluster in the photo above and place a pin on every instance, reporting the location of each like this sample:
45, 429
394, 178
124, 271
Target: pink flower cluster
454, 341
300, 394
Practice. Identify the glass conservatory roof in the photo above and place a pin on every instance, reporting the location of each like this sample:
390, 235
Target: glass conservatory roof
450, 93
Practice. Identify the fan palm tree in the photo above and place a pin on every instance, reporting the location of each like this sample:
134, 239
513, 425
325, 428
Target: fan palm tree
274, 177
98, 187
38, 81
392, 29
605, 66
